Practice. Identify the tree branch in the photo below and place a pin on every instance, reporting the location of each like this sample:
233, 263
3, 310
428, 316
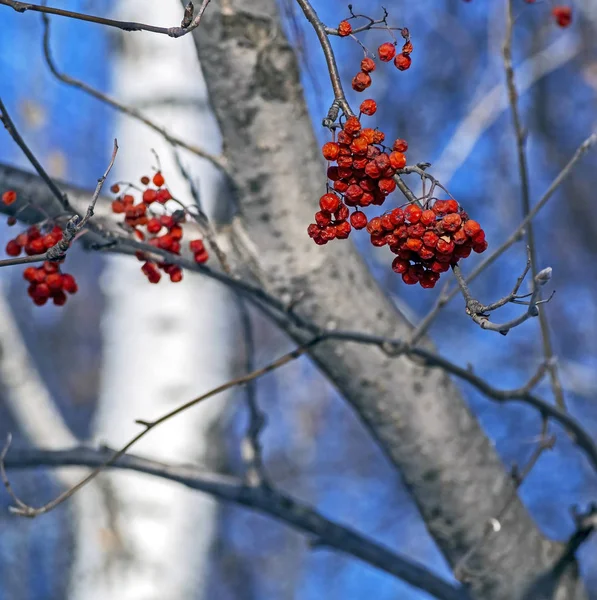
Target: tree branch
270, 502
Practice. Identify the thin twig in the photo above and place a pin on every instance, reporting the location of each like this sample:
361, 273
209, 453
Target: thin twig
251, 449
16, 136
322, 35
521, 137
25, 510
124, 25
218, 161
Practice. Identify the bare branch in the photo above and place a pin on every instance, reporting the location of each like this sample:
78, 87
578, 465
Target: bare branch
521, 137
273, 503
174, 32
218, 161
25, 510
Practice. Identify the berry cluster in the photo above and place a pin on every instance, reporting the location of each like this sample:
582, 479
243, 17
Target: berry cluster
160, 229
363, 175
427, 241
48, 282
33, 241
386, 52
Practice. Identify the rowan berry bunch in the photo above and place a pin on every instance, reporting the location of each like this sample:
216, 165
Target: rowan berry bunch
48, 281
159, 227
363, 175
427, 240
386, 52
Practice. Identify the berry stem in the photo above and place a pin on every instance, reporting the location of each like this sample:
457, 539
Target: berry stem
321, 32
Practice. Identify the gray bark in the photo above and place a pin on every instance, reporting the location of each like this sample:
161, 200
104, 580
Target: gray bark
416, 414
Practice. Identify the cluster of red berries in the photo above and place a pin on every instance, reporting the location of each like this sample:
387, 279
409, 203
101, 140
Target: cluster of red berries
386, 52
47, 282
33, 242
162, 231
363, 175
427, 241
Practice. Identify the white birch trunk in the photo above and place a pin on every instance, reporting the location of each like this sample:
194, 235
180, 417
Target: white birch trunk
163, 344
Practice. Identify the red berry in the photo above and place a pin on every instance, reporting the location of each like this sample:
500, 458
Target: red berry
329, 202
402, 61
400, 146
562, 15
412, 213
12, 248
330, 151
196, 246
400, 265
153, 225
386, 52
352, 125
145, 180
387, 185
358, 220
69, 284
149, 196
361, 81
9, 197
59, 298
397, 160
472, 228
158, 179
344, 29
115, 188
367, 65
368, 107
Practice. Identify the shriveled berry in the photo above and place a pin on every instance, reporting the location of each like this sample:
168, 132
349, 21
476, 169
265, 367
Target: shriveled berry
145, 180
367, 65
471, 228
352, 125
386, 52
400, 265
397, 160
386, 185
344, 29
361, 81
400, 146
451, 222
368, 107
402, 61
330, 151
